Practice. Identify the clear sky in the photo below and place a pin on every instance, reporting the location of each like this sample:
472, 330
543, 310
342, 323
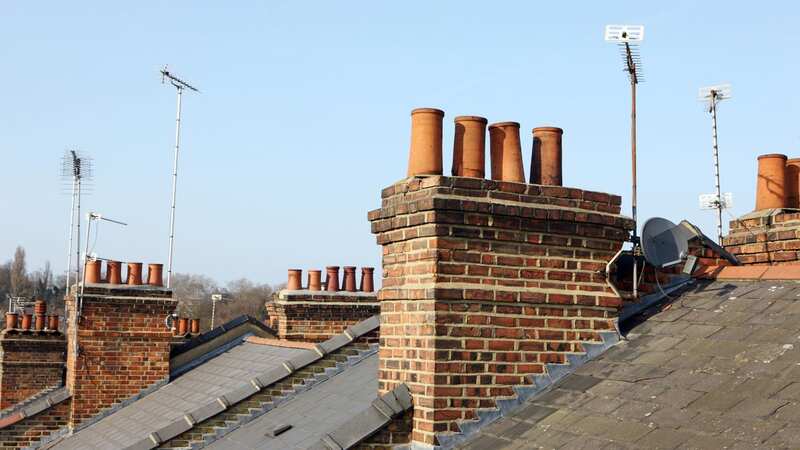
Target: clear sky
304, 113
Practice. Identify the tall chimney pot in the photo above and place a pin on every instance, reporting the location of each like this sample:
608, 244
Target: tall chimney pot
11, 320
771, 184
294, 282
469, 147
27, 318
52, 322
113, 272
546, 158
314, 280
195, 326
425, 155
332, 284
367, 281
154, 274
92, 274
135, 273
183, 326
793, 183
506, 152
349, 279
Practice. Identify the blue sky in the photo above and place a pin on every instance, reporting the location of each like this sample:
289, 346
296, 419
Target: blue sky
304, 113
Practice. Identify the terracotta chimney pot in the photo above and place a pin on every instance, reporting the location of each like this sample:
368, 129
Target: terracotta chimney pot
40, 307
506, 152
113, 272
425, 156
154, 274
92, 274
332, 281
469, 147
135, 273
26, 321
183, 326
195, 326
367, 284
314, 280
771, 184
52, 322
295, 280
793, 183
349, 278
11, 320
39, 322
546, 158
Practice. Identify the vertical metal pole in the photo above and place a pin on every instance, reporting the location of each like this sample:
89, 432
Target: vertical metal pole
635, 238
85, 261
174, 187
716, 164
213, 311
71, 232
78, 234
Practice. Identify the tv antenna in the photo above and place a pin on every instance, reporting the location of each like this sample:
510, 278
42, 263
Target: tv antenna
627, 38
91, 217
179, 85
76, 168
712, 95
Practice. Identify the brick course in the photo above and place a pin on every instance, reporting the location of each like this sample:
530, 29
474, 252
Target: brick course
30, 362
314, 316
31, 430
123, 347
484, 283
765, 239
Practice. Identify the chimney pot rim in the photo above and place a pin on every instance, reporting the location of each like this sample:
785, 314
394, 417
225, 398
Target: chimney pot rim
427, 110
773, 155
471, 119
548, 130
504, 124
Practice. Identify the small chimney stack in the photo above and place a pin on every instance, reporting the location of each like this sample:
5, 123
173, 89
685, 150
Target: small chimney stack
506, 152
425, 155
469, 147
546, 158
771, 183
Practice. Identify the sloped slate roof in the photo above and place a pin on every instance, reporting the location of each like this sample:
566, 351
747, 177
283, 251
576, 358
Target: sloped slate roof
322, 409
717, 367
201, 385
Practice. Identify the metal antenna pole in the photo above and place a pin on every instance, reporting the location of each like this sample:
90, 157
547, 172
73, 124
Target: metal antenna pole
174, 188
78, 229
180, 85
71, 232
635, 237
716, 164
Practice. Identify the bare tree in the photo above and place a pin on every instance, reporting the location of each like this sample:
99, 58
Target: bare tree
19, 283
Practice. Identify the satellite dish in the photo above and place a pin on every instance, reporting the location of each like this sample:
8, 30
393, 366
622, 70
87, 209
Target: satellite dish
662, 243
665, 244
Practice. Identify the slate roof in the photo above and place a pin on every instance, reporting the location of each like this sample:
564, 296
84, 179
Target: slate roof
312, 415
203, 384
718, 366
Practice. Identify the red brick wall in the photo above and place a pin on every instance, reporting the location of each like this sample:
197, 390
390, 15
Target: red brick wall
123, 347
30, 362
767, 240
314, 316
484, 283
32, 429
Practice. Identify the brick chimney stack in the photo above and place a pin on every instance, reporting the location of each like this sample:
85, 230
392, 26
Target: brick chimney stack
118, 343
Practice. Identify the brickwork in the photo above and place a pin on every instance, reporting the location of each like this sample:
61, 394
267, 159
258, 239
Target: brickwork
396, 434
30, 362
484, 283
123, 346
31, 430
314, 316
765, 239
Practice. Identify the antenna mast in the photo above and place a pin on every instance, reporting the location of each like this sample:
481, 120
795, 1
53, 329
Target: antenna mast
712, 95
627, 38
78, 169
179, 85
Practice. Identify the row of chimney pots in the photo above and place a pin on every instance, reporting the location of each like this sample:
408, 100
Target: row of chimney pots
185, 324
469, 148
114, 273
39, 319
331, 284
778, 184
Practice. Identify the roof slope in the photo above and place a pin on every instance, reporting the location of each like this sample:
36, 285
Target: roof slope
717, 367
195, 388
322, 409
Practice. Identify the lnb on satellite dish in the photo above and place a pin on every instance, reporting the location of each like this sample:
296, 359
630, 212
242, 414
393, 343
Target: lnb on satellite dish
624, 33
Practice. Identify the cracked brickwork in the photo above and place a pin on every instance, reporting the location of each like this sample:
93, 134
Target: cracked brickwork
484, 283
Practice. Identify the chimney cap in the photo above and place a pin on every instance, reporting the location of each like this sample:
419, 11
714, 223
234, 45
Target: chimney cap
427, 110
470, 119
548, 130
773, 155
504, 124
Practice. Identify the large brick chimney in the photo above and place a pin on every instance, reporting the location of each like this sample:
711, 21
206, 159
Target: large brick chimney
120, 346
486, 283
